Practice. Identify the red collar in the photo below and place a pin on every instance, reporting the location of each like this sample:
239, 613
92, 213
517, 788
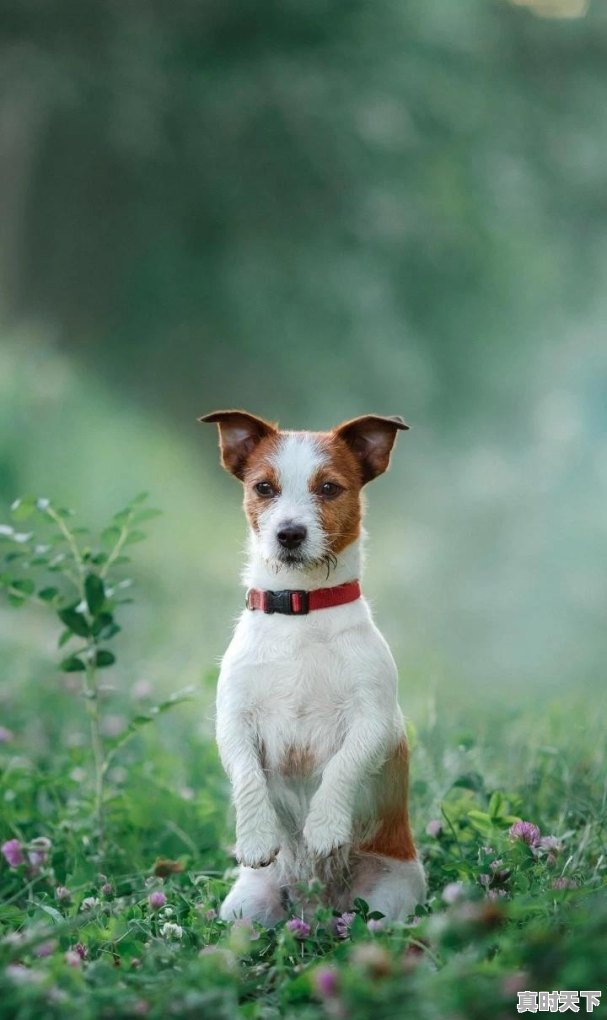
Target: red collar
297, 602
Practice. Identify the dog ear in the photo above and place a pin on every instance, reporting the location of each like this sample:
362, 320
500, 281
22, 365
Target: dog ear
239, 434
371, 439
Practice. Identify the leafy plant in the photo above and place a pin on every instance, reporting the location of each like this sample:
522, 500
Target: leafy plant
79, 579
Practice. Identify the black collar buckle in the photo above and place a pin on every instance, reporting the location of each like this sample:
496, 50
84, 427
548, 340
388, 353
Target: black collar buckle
290, 602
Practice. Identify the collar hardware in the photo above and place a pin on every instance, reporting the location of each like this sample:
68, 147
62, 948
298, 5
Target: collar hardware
298, 602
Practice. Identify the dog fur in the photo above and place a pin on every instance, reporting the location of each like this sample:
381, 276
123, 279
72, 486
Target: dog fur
308, 724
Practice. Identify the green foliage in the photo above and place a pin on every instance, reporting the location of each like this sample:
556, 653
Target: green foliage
119, 919
88, 590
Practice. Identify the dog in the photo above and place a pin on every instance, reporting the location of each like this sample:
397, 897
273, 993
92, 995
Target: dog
309, 729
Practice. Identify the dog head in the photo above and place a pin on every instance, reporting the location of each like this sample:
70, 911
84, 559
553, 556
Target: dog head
302, 490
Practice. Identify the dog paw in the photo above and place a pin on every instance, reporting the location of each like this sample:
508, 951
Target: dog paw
256, 856
326, 841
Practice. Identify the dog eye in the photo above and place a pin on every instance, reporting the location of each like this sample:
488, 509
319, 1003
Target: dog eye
330, 489
265, 489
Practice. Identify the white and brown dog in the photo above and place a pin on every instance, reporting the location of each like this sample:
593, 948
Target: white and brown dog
308, 724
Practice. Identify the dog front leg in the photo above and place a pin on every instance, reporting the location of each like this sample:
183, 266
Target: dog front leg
329, 823
257, 827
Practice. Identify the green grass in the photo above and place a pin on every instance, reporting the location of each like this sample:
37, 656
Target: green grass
474, 770
537, 920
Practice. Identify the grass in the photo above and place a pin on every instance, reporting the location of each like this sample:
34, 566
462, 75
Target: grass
79, 936
537, 920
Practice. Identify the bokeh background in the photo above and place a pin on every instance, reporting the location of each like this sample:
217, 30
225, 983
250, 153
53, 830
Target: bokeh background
314, 211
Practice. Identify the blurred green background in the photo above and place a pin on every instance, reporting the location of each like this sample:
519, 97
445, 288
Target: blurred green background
314, 211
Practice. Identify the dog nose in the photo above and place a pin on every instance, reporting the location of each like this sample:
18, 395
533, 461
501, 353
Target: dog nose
291, 535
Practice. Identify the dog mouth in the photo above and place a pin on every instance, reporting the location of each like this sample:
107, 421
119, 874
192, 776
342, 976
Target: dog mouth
294, 559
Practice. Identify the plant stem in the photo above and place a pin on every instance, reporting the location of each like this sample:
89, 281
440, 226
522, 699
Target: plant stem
71, 541
92, 704
124, 531
91, 690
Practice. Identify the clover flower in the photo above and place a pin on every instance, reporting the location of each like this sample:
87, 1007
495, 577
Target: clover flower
13, 853
372, 958
453, 892
300, 929
564, 883
38, 852
375, 924
171, 931
341, 925
157, 899
89, 903
326, 982
434, 827
527, 832
62, 893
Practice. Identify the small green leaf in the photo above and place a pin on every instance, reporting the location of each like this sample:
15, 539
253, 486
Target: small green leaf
73, 665
75, 621
24, 584
95, 593
64, 638
110, 535
123, 516
135, 536
140, 498
104, 658
48, 594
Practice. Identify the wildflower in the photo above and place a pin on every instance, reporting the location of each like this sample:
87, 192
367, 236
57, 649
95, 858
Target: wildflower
13, 853
210, 914
63, 894
341, 925
171, 931
564, 883
22, 975
113, 725
81, 949
373, 959
325, 981
72, 958
89, 903
38, 852
375, 924
453, 892
552, 846
45, 948
157, 899
107, 889
551, 843
496, 894
527, 832
142, 689
434, 827
300, 929
5, 735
